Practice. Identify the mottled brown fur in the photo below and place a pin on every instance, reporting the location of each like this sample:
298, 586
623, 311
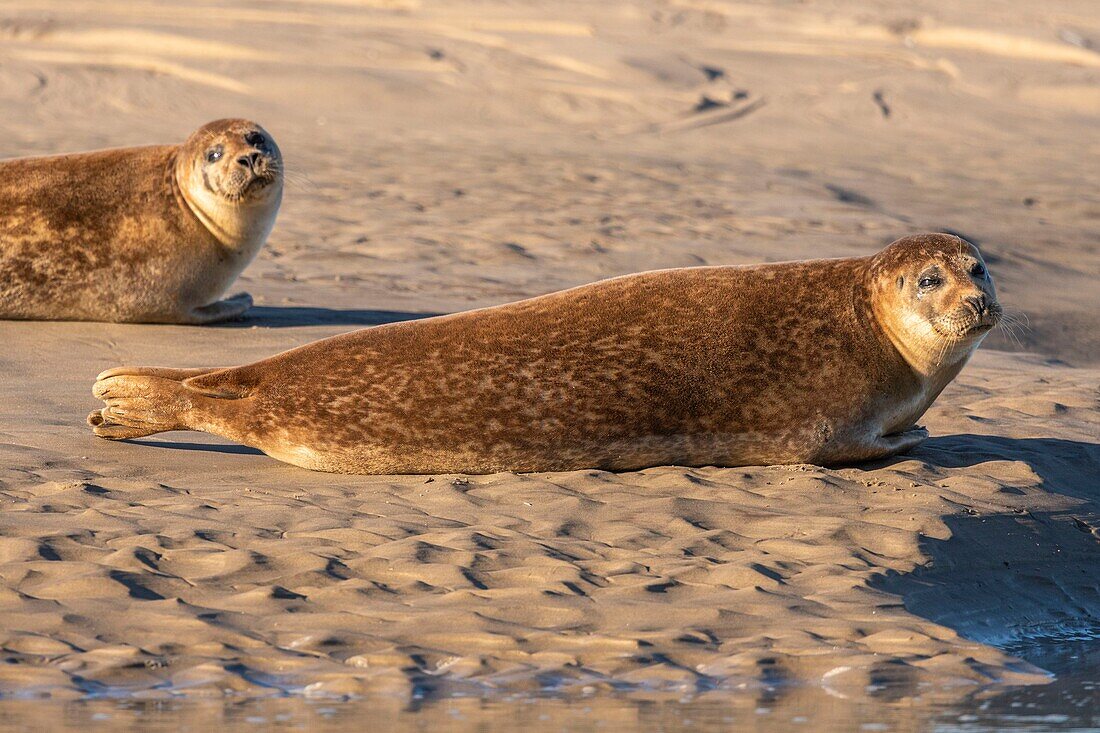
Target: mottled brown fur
111, 236
775, 363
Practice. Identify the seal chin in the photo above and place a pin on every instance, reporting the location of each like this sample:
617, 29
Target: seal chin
977, 329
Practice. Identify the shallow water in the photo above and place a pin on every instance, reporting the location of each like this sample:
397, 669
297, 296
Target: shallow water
1069, 703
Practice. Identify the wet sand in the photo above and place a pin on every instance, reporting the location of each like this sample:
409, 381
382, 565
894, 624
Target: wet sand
448, 156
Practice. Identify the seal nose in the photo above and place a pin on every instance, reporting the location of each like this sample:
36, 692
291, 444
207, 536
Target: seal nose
250, 161
979, 304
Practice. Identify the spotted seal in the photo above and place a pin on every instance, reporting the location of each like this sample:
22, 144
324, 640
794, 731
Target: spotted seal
820, 361
145, 234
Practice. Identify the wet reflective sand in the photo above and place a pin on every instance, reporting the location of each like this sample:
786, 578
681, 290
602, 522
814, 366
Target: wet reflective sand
1071, 702
1072, 705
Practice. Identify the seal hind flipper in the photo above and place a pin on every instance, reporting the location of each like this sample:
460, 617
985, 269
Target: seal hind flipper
163, 372
139, 405
143, 404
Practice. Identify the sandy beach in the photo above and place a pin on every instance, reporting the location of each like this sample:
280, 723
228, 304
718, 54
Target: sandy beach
446, 156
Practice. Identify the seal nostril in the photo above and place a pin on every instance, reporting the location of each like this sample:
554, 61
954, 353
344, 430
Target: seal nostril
978, 303
245, 161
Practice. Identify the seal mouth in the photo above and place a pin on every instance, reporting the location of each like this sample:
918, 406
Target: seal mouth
968, 322
252, 186
990, 318
260, 181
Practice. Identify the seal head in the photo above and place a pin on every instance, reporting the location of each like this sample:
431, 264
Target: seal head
934, 298
230, 173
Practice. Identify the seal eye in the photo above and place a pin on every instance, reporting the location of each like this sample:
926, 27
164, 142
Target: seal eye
255, 139
213, 154
978, 270
930, 281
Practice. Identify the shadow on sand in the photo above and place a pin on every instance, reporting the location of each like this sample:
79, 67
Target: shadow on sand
1022, 576
232, 448
270, 316
1068, 467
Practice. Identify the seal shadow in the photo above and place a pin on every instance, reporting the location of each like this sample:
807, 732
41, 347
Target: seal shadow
230, 448
271, 316
1064, 466
1021, 580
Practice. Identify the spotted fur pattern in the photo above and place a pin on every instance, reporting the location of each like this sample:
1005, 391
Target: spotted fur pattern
777, 363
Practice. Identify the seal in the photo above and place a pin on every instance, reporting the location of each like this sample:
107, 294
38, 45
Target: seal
146, 234
820, 361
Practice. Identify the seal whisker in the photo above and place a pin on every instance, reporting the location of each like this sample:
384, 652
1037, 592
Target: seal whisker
1011, 334
1013, 324
1016, 318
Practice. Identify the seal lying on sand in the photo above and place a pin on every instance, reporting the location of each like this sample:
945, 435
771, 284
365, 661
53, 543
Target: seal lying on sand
824, 361
149, 234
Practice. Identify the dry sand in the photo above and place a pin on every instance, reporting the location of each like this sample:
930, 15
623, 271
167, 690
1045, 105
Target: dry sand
452, 155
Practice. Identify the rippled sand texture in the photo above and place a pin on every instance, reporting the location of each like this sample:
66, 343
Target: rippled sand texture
453, 155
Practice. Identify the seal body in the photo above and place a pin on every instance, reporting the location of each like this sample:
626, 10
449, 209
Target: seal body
777, 363
147, 234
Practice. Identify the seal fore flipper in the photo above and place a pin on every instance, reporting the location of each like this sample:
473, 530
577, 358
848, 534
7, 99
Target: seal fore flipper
897, 443
221, 310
